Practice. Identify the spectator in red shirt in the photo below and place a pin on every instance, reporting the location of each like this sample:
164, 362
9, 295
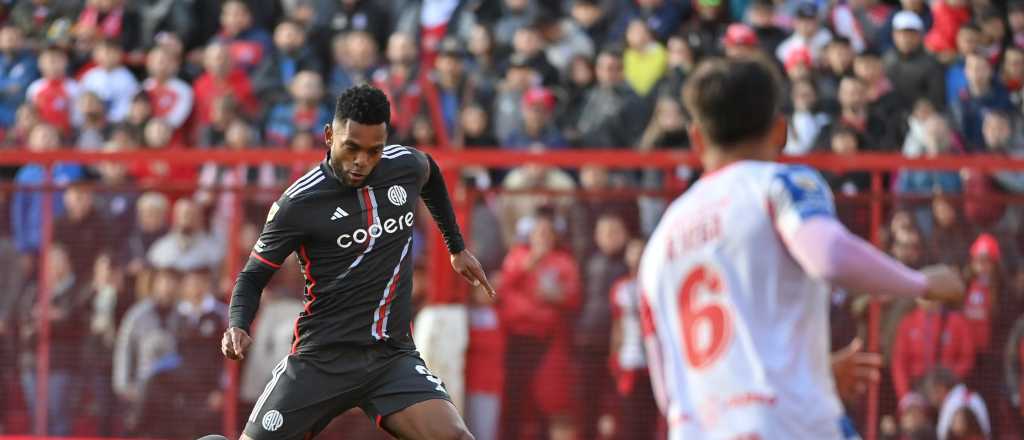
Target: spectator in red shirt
540, 288
948, 16
400, 82
982, 291
930, 336
247, 44
221, 79
485, 367
111, 19
54, 94
169, 97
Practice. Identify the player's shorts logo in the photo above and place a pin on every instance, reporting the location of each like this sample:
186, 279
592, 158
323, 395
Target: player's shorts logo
273, 420
397, 196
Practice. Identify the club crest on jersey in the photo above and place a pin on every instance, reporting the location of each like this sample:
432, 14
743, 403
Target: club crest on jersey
397, 195
273, 420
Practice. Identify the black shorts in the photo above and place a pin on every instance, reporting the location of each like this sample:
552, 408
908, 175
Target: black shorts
301, 399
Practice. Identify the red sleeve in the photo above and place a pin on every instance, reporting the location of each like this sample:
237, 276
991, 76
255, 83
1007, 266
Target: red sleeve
900, 379
963, 345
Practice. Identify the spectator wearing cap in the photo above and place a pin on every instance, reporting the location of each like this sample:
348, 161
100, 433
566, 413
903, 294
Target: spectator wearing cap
304, 111
613, 115
948, 16
54, 94
564, 40
1015, 20
930, 336
981, 94
538, 128
289, 56
808, 34
914, 73
220, 78
246, 43
761, 16
169, 97
355, 56
740, 41
663, 17
111, 80
983, 305
919, 7
17, 70
862, 22
644, 60
799, 65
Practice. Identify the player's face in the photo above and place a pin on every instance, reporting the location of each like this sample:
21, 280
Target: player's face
355, 149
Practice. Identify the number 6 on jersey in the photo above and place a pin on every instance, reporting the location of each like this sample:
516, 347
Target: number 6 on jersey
707, 324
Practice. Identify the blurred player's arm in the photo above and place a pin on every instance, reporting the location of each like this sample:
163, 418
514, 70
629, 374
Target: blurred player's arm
804, 213
280, 237
434, 193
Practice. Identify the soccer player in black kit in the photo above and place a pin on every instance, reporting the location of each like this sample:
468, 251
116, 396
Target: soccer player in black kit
350, 221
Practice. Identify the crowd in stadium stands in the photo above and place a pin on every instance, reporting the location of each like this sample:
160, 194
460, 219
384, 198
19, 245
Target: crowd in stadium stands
137, 268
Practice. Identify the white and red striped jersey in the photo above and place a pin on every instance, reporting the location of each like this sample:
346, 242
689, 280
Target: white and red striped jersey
171, 100
738, 334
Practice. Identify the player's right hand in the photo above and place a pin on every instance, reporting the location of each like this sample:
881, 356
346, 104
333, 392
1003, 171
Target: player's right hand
944, 284
234, 343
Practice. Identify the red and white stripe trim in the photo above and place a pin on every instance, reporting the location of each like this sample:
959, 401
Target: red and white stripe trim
379, 330
372, 218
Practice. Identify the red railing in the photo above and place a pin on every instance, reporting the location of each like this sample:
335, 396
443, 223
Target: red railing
452, 161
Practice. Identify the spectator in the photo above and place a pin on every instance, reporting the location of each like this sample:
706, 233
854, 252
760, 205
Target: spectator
399, 80
761, 16
17, 70
948, 16
863, 23
1011, 75
541, 289
108, 300
474, 129
856, 115
968, 41
25, 119
527, 177
150, 224
143, 339
919, 7
575, 86
515, 16
1015, 20
139, 115
914, 419
482, 63
644, 60
66, 317
564, 40
110, 19
837, 62
930, 336
202, 317
932, 138
27, 202
636, 417
223, 112
984, 284
799, 66
354, 56
289, 56
667, 128
993, 33
740, 41
507, 109
592, 18
663, 17
304, 112
221, 79
54, 94
806, 122
39, 20
453, 87
808, 34
117, 201
999, 139
868, 67
485, 367
170, 98
92, 131
111, 81
613, 114
981, 94
529, 44
914, 73
341, 17
246, 44
538, 126
593, 328
950, 237
704, 31
82, 229
188, 245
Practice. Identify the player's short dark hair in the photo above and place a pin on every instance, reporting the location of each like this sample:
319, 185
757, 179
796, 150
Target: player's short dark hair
364, 104
733, 100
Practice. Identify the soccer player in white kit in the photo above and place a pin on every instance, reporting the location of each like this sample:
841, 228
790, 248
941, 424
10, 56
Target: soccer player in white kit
735, 278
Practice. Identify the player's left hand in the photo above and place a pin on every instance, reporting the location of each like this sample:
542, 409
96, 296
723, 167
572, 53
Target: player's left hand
855, 369
465, 264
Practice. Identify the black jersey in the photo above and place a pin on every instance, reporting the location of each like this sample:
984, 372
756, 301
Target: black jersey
354, 246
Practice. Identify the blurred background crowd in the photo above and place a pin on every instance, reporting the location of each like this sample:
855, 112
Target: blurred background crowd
136, 265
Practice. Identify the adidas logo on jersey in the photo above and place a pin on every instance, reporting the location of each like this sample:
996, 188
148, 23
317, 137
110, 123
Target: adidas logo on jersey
338, 213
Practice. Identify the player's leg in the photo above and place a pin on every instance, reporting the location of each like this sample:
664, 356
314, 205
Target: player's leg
427, 420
